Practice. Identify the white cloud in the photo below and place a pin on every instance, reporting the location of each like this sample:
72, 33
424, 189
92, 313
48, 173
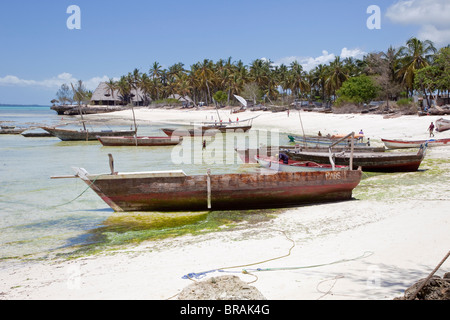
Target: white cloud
352, 53
51, 83
309, 63
431, 15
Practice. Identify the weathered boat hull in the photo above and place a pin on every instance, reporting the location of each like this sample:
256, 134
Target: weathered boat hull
442, 125
318, 141
73, 135
179, 192
189, 132
248, 155
403, 144
11, 131
140, 141
205, 130
373, 162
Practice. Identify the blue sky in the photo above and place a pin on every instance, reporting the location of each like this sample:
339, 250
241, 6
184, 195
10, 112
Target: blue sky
39, 53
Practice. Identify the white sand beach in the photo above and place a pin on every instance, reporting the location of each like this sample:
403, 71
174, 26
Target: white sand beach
369, 249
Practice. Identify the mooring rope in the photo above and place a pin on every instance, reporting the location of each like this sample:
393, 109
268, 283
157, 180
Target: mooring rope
87, 188
199, 275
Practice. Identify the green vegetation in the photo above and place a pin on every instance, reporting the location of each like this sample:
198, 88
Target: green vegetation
416, 67
360, 89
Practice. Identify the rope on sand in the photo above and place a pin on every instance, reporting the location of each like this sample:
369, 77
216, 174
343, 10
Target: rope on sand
198, 275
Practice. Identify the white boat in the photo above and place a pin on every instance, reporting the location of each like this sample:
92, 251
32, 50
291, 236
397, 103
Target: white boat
401, 144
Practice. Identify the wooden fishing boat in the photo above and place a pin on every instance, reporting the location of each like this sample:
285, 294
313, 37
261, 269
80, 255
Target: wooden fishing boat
317, 141
176, 191
189, 132
247, 155
402, 144
224, 128
85, 135
373, 162
442, 124
295, 166
36, 134
139, 141
11, 130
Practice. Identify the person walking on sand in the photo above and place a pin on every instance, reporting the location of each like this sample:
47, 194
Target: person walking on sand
431, 129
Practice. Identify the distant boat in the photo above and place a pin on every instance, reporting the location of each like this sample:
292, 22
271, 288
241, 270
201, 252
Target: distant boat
224, 127
309, 140
85, 135
11, 130
139, 141
176, 191
442, 124
36, 134
402, 144
181, 132
373, 161
295, 166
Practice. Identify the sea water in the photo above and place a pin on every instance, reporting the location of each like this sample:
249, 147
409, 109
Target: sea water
39, 215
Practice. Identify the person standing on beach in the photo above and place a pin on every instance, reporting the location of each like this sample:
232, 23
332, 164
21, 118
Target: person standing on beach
431, 129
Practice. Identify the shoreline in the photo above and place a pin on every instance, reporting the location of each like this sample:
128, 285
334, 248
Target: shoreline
370, 248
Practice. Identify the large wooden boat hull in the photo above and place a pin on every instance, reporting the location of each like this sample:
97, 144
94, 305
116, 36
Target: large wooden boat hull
140, 141
403, 144
74, 135
373, 162
175, 191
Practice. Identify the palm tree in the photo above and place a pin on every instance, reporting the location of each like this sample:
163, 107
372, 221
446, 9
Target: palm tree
298, 79
318, 79
337, 76
155, 71
205, 74
123, 86
112, 86
392, 57
146, 86
416, 55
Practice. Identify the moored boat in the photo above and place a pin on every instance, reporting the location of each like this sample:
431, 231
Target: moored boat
326, 141
373, 161
139, 141
11, 130
181, 132
176, 191
85, 135
402, 144
247, 155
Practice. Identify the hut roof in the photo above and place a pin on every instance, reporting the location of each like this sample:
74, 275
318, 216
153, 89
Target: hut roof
102, 93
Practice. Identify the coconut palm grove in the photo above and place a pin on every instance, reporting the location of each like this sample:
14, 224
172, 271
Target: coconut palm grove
395, 74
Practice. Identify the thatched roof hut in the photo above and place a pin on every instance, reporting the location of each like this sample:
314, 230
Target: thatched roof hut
103, 96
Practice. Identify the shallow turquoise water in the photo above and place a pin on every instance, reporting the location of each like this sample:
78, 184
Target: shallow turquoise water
39, 214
